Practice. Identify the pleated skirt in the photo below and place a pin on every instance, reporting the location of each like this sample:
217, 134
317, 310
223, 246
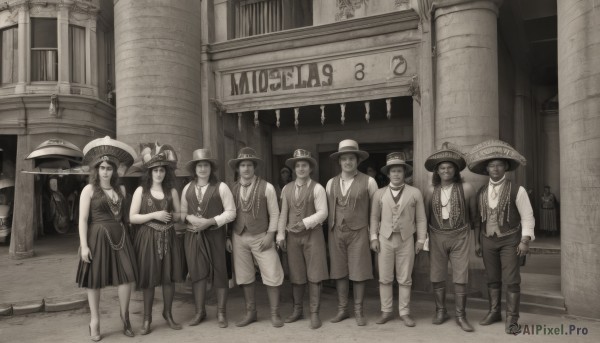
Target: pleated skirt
161, 260
109, 266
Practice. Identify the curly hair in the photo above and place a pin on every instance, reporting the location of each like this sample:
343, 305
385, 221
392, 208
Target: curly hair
168, 183
436, 180
95, 177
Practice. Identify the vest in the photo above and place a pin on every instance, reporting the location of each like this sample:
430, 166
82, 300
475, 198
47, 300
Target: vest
256, 219
211, 202
355, 214
459, 210
302, 207
509, 219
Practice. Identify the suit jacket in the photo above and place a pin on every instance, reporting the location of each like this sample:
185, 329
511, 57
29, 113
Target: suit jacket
406, 217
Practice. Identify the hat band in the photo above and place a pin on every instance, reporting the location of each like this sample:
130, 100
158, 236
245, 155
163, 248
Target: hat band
302, 154
242, 156
348, 148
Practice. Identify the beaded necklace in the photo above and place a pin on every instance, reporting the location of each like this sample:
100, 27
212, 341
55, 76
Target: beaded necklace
115, 209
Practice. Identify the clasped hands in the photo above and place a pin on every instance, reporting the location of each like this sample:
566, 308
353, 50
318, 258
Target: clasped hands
199, 223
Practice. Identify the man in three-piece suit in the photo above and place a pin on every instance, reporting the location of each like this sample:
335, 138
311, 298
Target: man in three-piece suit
397, 212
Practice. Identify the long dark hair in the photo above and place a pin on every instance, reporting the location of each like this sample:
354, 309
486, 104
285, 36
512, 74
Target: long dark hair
95, 177
436, 180
212, 179
168, 183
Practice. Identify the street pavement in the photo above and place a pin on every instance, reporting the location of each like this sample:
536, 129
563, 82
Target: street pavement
51, 274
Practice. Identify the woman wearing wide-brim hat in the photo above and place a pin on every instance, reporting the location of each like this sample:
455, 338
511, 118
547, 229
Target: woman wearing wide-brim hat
155, 208
107, 255
503, 229
206, 206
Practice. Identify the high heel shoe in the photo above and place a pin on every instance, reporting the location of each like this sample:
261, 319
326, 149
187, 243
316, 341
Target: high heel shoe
97, 337
169, 318
127, 330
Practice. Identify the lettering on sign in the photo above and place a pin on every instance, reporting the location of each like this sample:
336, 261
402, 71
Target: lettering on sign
282, 78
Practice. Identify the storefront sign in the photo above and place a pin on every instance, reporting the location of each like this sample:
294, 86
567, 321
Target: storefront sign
301, 78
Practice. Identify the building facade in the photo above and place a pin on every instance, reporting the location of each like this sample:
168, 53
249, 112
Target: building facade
394, 75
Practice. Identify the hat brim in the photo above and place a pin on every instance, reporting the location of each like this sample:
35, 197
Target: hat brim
362, 155
161, 164
480, 167
291, 162
234, 162
407, 168
432, 163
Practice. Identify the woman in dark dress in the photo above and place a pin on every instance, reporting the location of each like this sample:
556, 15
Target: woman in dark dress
107, 255
206, 206
155, 206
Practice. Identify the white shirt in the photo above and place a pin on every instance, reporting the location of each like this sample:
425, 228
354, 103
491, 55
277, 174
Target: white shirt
229, 212
309, 222
522, 203
345, 186
445, 199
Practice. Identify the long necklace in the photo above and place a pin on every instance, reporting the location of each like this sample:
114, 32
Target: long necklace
115, 208
444, 189
246, 200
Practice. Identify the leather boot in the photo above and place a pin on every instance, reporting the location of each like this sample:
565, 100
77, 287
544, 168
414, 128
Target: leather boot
342, 287
298, 297
512, 312
273, 294
441, 315
148, 301
222, 307
494, 314
168, 316
199, 289
314, 292
460, 299
249, 296
359, 294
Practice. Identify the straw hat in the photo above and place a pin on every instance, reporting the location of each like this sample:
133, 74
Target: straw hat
245, 154
448, 153
110, 150
396, 159
493, 149
201, 155
350, 146
301, 155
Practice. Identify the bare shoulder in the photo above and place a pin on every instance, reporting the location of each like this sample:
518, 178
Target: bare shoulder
174, 193
468, 189
87, 191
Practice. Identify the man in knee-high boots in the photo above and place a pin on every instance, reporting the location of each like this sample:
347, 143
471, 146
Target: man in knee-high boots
254, 235
450, 206
348, 196
503, 229
303, 209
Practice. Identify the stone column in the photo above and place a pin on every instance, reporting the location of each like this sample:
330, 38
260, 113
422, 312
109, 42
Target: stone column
579, 131
21, 241
466, 76
23, 49
64, 70
157, 52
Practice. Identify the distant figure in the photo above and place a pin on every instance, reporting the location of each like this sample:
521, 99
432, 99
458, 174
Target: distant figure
548, 222
381, 179
285, 177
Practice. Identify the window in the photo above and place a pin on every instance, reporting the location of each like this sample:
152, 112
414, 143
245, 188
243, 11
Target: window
10, 58
77, 53
44, 51
256, 17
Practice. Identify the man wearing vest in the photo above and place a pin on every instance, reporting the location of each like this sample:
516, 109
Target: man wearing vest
254, 235
450, 206
303, 209
349, 195
505, 220
397, 212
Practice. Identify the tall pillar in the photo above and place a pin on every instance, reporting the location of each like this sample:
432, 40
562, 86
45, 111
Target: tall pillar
466, 98
157, 61
23, 48
21, 241
579, 133
64, 72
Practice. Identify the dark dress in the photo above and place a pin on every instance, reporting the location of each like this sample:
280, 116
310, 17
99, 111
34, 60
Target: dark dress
160, 257
113, 258
205, 250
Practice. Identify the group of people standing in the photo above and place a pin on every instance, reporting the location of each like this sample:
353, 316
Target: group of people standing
360, 217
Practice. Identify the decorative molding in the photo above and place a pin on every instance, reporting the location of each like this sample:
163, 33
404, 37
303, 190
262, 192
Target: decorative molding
346, 8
